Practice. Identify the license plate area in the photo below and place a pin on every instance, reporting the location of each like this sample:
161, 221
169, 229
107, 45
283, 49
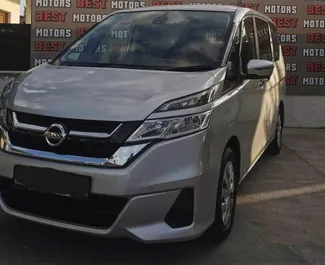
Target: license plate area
52, 181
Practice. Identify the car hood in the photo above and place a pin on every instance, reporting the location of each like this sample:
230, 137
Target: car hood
100, 93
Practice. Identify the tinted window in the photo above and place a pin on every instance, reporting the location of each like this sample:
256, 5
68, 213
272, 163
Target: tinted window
263, 36
248, 48
275, 41
153, 40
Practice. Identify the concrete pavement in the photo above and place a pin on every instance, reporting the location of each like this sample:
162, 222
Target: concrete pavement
280, 220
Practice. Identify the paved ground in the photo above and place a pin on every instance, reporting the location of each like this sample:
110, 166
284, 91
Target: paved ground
280, 220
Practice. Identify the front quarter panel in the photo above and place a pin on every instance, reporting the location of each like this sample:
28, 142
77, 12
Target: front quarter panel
223, 124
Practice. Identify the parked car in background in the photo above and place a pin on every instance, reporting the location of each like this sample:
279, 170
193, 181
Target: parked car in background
148, 138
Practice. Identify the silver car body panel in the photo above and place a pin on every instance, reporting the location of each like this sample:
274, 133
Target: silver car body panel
113, 94
155, 178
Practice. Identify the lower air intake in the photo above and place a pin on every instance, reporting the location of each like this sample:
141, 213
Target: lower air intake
182, 211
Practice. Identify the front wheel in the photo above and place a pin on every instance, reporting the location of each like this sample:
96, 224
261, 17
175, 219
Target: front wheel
226, 198
275, 146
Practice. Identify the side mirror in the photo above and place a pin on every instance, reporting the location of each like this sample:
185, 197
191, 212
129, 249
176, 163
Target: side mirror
259, 69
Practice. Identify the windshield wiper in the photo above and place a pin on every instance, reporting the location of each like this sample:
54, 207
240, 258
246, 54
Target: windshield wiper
192, 68
92, 64
111, 65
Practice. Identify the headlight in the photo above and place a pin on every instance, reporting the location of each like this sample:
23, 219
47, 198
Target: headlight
169, 128
192, 101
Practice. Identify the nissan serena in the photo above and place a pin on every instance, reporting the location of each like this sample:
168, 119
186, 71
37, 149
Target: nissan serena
145, 136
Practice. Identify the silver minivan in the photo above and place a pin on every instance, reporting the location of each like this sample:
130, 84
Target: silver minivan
146, 136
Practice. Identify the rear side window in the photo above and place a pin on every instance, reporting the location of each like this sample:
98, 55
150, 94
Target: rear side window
275, 41
248, 45
263, 37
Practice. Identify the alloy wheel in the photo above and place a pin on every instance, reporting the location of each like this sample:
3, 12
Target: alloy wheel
228, 188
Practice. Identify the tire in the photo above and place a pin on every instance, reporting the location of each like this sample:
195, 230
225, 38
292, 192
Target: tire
275, 146
223, 223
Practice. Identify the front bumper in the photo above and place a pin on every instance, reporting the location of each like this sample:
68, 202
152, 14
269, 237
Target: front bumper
151, 185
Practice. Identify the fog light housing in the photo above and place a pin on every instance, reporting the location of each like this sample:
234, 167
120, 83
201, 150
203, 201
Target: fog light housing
181, 214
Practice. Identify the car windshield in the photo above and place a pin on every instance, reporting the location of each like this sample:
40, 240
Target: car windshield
157, 40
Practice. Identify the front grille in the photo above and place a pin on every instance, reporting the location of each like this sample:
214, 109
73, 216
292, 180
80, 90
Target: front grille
77, 146
71, 124
98, 211
74, 146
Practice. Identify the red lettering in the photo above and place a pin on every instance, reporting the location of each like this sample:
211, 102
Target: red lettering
285, 22
315, 67
289, 51
166, 3
49, 46
50, 16
247, 5
309, 67
255, 7
291, 80
95, 4
310, 10
316, 37
315, 9
80, 31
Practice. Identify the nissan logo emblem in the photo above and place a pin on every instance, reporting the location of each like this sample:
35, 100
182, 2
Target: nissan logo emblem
55, 134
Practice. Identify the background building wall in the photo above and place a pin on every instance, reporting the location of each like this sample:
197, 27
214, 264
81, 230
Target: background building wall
28, 12
13, 7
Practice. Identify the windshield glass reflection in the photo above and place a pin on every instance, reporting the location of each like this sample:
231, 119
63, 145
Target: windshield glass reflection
162, 40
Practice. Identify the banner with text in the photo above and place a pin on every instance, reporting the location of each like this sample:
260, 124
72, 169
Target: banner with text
301, 24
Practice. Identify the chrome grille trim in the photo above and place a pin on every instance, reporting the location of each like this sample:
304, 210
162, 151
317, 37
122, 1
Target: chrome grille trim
8, 147
41, 129
25, 126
